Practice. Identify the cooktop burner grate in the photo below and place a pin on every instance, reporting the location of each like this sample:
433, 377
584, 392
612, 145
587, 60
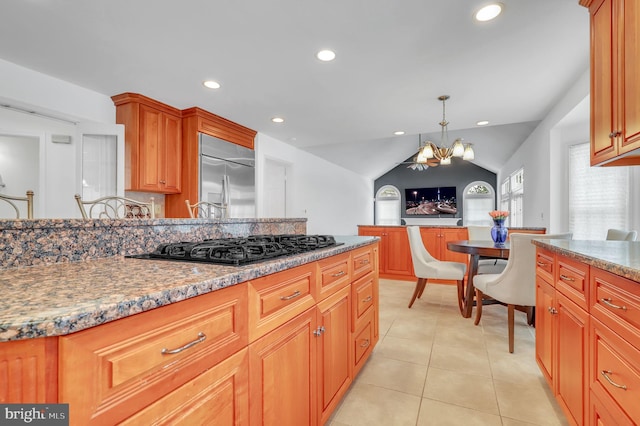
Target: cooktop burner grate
241, 250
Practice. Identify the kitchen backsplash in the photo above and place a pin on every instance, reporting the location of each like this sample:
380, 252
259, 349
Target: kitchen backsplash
46, 241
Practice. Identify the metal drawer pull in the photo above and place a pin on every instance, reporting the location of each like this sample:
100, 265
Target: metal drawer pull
201, 338
365, 343
541, 263
367, 299
605, 374
364, 261
566, 278
611, 305
338, 274
552, 310
292, 296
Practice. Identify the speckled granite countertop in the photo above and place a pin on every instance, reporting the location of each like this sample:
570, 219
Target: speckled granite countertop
618, 257
62, 298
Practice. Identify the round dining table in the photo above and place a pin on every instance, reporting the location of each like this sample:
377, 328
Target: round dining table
476, 249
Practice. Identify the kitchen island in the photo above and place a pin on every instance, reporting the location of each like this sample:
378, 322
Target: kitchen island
588, 328
141, 341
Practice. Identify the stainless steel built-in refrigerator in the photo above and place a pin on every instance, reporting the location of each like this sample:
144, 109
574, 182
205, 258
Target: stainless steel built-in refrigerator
227, 177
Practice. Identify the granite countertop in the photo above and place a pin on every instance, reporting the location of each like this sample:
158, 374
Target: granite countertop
618, 257
63, 298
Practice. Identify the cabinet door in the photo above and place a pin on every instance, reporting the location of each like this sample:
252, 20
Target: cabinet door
29, 372
571, 375
379, 232
334, 366
172, 154
431, 240
630, 71
545, 329
452, 234
282, 374
150, 149
398, 260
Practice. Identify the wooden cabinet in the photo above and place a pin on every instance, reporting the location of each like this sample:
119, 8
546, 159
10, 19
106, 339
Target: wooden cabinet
435, 241
28, 371
109, 373
194, 122
562, 331
395, 257
615, 88
153, 144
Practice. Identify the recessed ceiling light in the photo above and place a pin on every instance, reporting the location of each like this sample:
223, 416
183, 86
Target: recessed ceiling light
326, 55
482, 123
211, 84
277, 120
398, 133
488, 12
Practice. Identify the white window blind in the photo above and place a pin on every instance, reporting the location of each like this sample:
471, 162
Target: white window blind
598, 196
387, 206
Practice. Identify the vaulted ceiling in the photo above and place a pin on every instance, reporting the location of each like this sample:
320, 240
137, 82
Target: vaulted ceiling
394, 58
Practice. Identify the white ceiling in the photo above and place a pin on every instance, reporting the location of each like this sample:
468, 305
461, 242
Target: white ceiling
394, 58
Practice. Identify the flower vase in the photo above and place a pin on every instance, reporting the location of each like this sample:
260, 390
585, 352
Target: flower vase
499, 232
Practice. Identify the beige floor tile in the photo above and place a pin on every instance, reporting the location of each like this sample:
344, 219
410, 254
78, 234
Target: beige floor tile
512, 422
370, 405
515, 367
416, 351
435, 413
416, 327
466, 336
529, 401
466, 390
393, 374
470, 361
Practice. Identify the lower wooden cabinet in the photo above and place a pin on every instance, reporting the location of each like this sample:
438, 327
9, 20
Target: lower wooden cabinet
546, 311
29, 371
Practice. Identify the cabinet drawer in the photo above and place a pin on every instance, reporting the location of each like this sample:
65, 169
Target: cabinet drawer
615, 368
363, 298
363, 342
277, 298
109, 372
616, 302
572, 281
604, 411
544, 264
334, 274
362, 262
219, 396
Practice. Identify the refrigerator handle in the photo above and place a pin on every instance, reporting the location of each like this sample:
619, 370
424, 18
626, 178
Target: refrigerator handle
226, 196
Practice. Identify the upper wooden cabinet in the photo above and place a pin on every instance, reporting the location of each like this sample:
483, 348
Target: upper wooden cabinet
195, 121
615, 87
153, 143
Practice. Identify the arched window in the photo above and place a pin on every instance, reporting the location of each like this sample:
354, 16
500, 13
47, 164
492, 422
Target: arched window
387, 206
479, 198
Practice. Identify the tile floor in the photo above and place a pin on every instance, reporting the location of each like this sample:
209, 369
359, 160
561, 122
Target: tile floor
433, 367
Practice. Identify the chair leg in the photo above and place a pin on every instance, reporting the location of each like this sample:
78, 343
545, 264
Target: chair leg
478, 306
420, 285
510, 319
461, 295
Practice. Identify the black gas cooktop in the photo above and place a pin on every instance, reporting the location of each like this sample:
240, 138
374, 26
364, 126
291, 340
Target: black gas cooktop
241, 250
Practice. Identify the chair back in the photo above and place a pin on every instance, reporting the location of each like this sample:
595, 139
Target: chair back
520, 272
479, 233
116, 208
621, 235
205, 209
419, 253
11, 199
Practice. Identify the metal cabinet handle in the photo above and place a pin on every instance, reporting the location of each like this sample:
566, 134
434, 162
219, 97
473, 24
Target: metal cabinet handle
338, 274
611, 305
201, 338
319, 330
605, 374
291, 296
615, 134
566, 278
163, 182
367, 299
542, 263
552, 310
364, 261
365, 343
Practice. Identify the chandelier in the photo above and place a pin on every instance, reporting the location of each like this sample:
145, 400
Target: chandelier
431, 154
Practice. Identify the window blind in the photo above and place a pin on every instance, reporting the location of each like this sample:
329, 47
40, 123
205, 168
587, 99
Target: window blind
598, 196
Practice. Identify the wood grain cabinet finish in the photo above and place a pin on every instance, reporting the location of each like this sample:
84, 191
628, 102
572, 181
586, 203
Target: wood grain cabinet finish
28, 371
334, 273
615, 88
153, 144
588, 341
110, 372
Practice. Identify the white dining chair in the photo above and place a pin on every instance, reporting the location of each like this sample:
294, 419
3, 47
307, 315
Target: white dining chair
485, 265
621, 235
516, 285
427, 267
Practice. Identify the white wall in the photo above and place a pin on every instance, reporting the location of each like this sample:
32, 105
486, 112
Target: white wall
333, 199
543, 157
